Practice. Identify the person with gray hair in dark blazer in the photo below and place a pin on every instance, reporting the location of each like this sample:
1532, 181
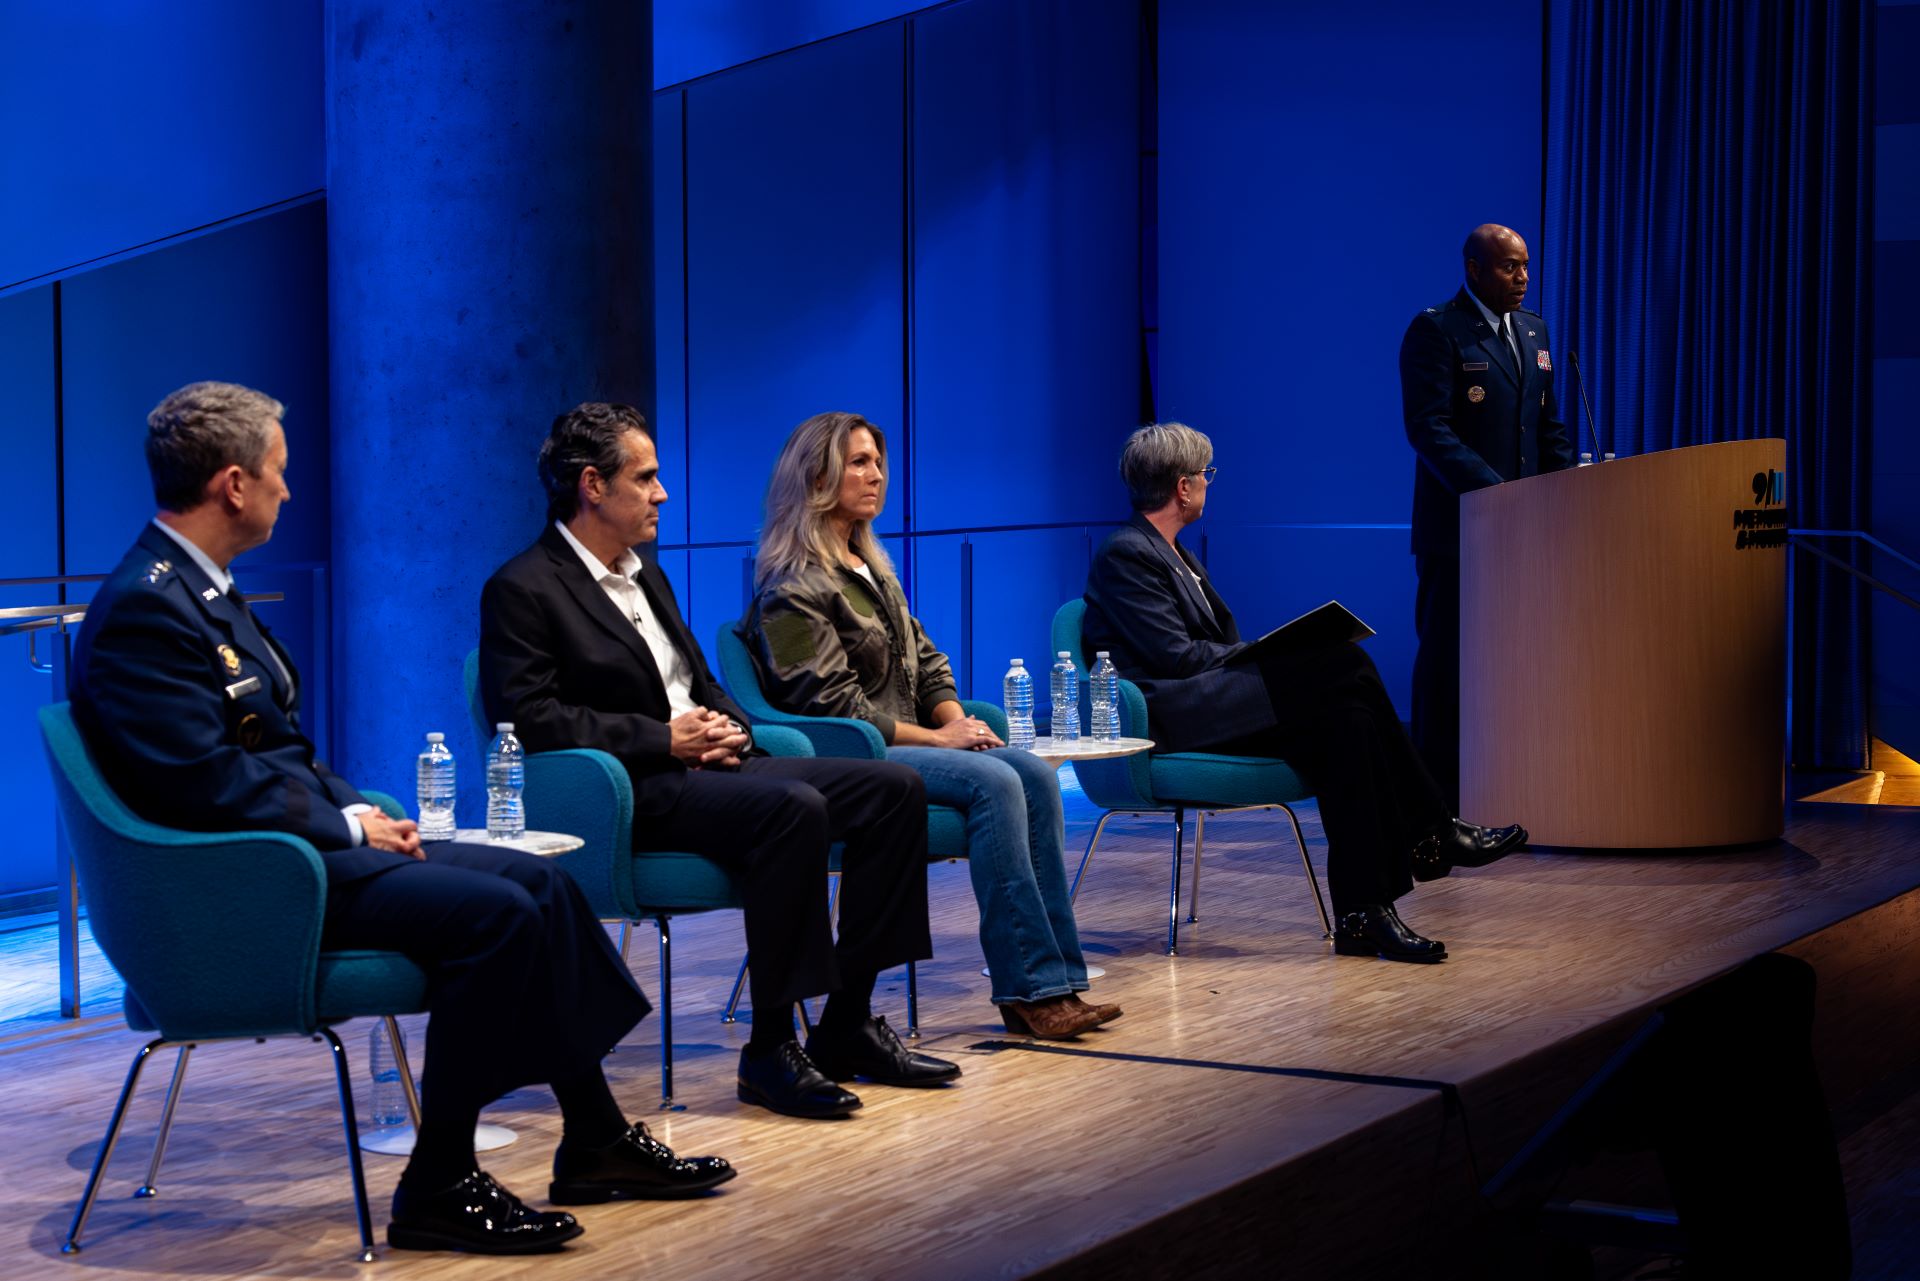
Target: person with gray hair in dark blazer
1324, 709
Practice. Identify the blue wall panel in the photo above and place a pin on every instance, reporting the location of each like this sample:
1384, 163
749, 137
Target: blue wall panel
148, 120
711, 588
27, 490
32, 550
1026, 290
247, 305
1319, 169
1269, 575
1019, 580
669, 312
795, 261
697, 37
1896, 181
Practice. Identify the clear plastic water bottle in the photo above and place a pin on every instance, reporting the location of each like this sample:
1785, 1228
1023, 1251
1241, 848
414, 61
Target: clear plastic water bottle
1066, 699
433, 788
1586, 460
388, 1107
1606, 458
1103, 690
1017, 689
506, 777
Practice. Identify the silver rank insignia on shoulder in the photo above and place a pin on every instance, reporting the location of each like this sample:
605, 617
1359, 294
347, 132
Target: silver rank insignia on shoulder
158, 570
209, 593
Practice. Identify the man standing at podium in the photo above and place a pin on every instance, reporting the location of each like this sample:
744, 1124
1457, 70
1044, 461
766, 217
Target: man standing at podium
1477, 393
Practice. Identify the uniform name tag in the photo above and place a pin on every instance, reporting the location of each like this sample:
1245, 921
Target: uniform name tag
240, 689
1473, 366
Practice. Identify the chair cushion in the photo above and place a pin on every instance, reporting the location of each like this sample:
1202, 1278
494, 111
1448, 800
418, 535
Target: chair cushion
1205, 779
674, 881
946, 832
355, 984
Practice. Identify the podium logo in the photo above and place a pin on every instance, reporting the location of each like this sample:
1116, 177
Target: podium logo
1766, 524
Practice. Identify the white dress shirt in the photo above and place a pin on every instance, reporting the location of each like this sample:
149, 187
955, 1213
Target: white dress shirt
223, 583
621, 587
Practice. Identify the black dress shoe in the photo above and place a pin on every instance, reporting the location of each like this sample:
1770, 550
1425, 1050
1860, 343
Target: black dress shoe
1373, 930
476, 1215
1462, 844
874, 1051
784, 1080
636, 1166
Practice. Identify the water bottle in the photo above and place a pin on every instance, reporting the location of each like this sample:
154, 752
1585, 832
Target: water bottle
506, 777
1103, 688
1066, 699
434, 790
1606, 458
1586, 460
1017, 689
389, 1105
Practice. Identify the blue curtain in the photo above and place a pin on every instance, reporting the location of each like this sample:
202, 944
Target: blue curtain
1708, 231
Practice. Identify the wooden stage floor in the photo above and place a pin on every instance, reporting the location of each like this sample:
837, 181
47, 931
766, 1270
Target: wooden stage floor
1263, 1105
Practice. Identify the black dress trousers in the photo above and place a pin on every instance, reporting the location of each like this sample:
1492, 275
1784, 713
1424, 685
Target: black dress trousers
770, 823
1436, 671
1335, 724
523, 986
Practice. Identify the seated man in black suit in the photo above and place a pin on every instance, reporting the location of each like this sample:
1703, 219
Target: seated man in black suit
191, 708
582, 645
1325, 711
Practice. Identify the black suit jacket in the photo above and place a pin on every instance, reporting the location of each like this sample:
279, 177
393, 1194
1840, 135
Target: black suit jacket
1472, 419
1172, 637
560, 660
177, 693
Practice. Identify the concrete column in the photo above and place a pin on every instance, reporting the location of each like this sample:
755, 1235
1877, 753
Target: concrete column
490, 264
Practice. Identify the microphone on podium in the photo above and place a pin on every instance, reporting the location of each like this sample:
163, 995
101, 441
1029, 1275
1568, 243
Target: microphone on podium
1592, 430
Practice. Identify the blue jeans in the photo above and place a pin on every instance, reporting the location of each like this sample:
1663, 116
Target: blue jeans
1016, 837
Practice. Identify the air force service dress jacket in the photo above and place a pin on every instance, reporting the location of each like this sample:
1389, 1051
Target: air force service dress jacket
196, 725
1471, 417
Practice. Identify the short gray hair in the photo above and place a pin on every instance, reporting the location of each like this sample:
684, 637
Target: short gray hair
202, 428
1155, 458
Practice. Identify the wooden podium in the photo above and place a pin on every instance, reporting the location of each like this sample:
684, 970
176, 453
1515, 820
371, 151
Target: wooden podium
1623, 650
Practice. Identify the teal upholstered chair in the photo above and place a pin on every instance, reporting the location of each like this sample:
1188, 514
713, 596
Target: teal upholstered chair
199, 966
586, 793
845, 736
1176, 782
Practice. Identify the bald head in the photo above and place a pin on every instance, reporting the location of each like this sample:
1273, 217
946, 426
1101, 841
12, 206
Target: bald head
1496, 261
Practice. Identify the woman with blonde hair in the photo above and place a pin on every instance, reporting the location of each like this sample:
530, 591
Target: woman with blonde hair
830, 635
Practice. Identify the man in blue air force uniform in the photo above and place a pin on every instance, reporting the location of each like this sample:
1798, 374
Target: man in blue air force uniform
192, 710
1477, 392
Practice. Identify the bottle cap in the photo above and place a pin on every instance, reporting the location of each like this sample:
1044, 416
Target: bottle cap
1019, 662
1065, 653
503, 727
436, 738
1100, 653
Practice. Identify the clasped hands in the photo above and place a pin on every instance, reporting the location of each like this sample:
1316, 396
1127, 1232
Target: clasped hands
701, 737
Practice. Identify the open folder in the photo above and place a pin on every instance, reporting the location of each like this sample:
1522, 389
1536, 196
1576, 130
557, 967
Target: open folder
1331, 624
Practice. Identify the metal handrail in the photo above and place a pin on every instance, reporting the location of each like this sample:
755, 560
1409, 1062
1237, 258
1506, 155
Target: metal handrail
1799, 537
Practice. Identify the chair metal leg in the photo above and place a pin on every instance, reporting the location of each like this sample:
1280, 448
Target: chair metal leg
1193, 891
352, 1128
739, 986
913, 1002
1092, 841
666, 1018
626, 937
105, 1154
150, 1188
399, 1046
1173, 895
1326, 922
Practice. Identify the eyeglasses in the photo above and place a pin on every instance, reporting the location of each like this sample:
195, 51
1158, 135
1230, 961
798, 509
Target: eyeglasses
1208, 472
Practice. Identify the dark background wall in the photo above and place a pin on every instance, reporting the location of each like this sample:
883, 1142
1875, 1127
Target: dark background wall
1895, 442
